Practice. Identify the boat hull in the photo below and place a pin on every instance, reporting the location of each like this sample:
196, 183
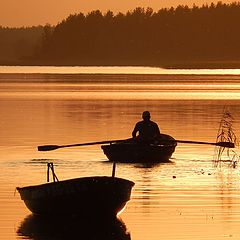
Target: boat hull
135, 152
90, 196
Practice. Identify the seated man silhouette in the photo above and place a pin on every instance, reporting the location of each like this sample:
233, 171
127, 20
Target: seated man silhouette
148, 131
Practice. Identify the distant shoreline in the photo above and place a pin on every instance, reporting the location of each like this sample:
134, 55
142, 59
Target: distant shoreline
234, 64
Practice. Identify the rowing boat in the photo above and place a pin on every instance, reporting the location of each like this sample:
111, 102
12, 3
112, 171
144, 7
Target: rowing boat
88, 196
131, 151
97, 196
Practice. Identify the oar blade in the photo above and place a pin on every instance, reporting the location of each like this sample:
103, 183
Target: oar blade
226, 144
47, 147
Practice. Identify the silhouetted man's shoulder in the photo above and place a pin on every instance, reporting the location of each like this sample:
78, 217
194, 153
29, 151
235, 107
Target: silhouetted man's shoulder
153, 122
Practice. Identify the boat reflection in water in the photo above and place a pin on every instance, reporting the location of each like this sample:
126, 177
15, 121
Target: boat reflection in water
38, 227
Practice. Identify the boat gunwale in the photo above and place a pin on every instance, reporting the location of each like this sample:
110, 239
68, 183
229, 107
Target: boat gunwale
81, 179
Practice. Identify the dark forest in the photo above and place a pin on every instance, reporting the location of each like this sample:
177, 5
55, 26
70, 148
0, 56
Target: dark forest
19, 44
182, 35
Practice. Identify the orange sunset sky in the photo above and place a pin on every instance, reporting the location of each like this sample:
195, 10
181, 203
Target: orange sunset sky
18, 13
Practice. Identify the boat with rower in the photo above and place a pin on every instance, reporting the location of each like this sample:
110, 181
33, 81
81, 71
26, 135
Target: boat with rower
132, 151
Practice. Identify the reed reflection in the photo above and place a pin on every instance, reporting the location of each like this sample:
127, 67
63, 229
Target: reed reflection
38, 227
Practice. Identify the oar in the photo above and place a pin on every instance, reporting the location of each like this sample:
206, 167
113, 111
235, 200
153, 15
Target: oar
220, 144
54, 147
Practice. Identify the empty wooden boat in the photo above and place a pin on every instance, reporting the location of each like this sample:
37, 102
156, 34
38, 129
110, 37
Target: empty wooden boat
98, 196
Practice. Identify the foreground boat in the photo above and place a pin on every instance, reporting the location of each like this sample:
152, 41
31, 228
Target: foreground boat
135, 152
98, 196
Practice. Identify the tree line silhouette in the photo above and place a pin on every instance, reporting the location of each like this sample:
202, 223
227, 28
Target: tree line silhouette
144, 37
17, 44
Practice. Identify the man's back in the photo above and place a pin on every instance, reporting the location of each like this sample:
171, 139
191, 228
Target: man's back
148, 130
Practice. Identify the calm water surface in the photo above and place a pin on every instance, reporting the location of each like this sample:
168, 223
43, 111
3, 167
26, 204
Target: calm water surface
184, 199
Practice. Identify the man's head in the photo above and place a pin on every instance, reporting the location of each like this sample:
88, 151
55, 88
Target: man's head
146, 115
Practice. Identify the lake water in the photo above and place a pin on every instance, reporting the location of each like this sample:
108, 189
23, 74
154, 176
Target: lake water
184, 199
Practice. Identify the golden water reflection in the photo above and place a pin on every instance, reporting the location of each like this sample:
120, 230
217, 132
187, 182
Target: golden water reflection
189, 206
185, 199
